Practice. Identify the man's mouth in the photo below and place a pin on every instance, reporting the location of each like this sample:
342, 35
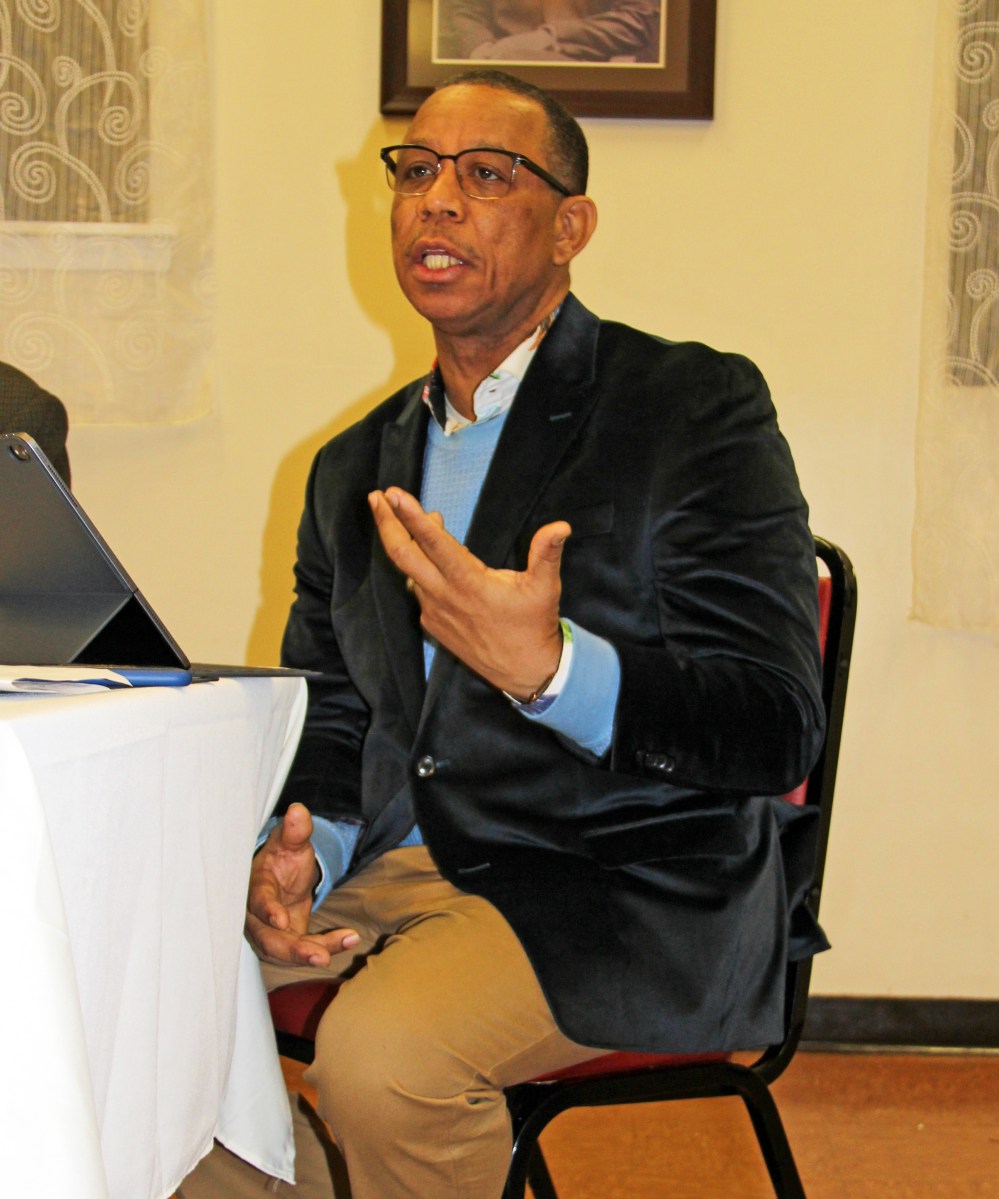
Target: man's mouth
439, 260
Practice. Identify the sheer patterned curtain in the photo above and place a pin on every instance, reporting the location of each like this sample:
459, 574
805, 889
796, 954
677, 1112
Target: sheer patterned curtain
956, 534
105, 204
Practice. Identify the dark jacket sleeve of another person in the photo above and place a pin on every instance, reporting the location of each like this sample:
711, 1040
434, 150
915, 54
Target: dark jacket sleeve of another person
27, 408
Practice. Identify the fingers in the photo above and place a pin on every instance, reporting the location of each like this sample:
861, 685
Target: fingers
397, 513
284, 870
279, 902
544, 559
395, 536
438, 519
295, 830
298, 949
264, 904
502, 623
415, 540
286, 863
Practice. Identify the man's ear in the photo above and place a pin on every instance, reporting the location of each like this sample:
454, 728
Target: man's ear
575, 221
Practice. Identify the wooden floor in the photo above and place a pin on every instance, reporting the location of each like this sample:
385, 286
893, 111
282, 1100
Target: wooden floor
862, 1126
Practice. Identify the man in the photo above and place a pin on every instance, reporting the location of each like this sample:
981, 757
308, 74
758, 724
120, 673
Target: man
552, 30
27, 408
559, 686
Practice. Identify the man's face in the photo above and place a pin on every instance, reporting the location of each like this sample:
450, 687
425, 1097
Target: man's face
480, 268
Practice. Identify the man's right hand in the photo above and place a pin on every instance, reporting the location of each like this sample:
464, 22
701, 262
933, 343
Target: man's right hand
279, 903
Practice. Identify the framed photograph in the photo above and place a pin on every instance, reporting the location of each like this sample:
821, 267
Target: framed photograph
601, 58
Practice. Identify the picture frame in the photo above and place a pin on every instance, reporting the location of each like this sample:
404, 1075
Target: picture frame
672, 78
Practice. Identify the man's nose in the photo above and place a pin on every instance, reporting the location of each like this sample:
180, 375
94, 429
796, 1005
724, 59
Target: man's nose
445, 194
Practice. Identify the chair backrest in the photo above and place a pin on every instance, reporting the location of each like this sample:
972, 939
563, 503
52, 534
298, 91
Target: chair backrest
799, 795
837, 619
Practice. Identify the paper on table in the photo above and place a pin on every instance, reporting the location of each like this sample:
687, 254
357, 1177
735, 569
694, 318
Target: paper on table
58, 680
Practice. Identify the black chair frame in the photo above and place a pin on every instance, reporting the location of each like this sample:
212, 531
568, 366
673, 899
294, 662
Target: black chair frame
534, 1104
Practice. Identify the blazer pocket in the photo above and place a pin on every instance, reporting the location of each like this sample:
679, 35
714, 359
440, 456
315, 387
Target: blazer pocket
662, 838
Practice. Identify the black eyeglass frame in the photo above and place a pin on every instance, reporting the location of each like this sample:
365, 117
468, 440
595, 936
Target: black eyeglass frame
517, 160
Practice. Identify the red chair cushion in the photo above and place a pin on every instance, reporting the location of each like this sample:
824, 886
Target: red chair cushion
297, 1008
629, 1063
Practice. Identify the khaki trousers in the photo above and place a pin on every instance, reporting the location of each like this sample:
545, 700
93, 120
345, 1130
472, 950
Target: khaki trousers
441, 1010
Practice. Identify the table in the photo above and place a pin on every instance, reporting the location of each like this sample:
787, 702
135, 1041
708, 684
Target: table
130, 819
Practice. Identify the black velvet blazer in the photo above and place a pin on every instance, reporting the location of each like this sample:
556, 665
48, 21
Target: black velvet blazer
651, 889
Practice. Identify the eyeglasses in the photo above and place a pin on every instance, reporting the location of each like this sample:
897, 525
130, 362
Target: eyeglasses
484, 173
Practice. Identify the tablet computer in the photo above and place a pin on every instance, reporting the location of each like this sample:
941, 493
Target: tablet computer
65, 599
64, 596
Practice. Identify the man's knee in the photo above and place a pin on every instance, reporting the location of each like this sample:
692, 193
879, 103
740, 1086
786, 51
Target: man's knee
370, 1063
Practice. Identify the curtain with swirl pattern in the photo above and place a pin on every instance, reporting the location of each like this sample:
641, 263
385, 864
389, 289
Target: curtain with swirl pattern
105, 205
956, 532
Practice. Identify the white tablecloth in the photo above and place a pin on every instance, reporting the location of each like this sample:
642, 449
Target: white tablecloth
130, 819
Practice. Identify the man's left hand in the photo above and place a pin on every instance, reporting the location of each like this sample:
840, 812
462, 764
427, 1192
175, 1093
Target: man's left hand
503, 624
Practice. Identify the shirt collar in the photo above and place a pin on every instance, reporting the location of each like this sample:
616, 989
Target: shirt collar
495, 393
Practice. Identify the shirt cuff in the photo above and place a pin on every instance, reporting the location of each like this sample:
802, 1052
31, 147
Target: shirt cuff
543, 699
584, 708
334, 842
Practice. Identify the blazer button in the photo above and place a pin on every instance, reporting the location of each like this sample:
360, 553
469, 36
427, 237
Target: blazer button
661, 763
425, 767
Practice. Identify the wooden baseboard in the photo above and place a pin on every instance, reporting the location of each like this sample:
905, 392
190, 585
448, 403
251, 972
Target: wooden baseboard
871, 1021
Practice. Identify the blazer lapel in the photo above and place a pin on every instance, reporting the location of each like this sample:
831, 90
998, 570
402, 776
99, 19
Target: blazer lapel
552, 403
401, 464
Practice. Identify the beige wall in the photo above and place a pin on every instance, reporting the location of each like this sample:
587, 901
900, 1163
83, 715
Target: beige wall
790, 227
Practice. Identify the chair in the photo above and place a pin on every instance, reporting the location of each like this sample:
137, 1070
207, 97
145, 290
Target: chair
619, 1078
